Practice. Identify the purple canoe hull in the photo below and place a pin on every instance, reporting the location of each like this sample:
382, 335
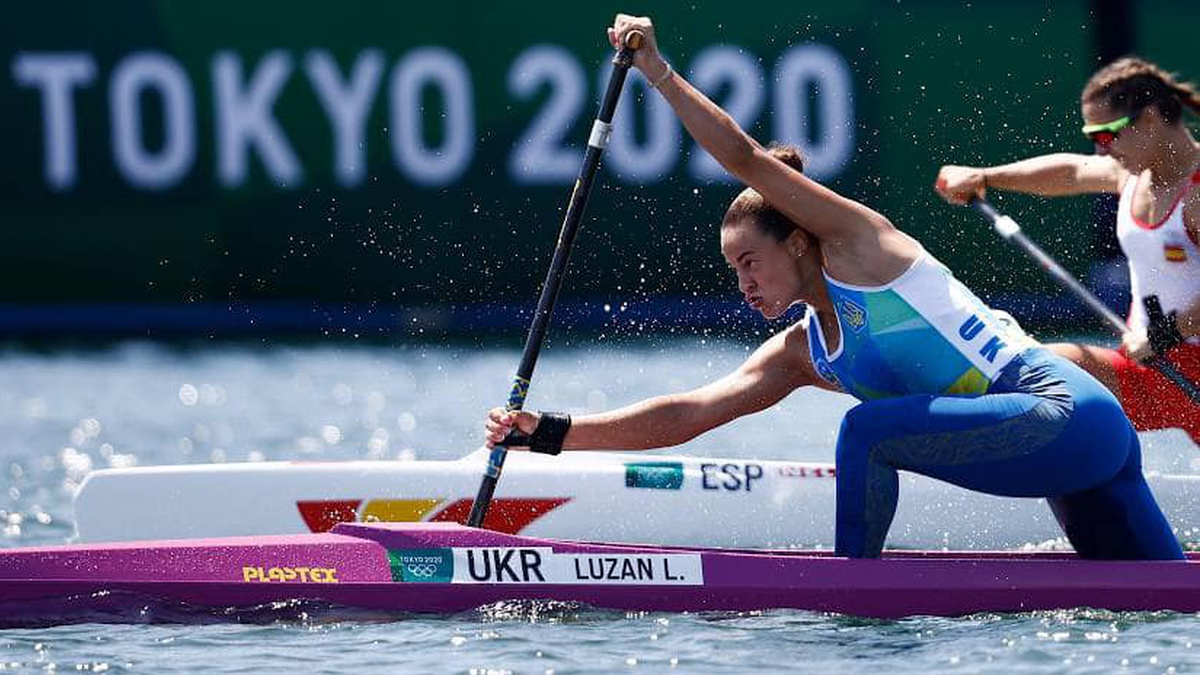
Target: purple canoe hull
443, 568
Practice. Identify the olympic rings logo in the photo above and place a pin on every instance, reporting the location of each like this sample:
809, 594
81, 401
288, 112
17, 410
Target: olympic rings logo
421, 570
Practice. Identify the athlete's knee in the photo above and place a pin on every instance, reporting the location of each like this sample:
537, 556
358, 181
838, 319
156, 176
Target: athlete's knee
855, 437
870, 430
871, 421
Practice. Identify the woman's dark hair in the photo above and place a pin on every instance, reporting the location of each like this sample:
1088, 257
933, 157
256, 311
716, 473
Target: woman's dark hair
751, 205
1131, 84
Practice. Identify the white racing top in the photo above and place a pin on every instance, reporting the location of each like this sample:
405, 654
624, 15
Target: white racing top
1164, 258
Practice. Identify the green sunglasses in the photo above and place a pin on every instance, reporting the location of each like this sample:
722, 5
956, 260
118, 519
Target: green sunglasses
1103, 135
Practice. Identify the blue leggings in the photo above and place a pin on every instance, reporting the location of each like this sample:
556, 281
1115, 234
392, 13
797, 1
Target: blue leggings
1044, 429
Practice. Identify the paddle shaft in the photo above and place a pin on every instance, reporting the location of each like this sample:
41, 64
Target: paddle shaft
601, 129
1008, 229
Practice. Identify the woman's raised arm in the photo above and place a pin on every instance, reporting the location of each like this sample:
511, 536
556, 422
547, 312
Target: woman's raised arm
827, 215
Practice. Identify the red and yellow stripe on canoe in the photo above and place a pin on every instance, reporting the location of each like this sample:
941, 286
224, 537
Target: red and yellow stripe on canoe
509, 515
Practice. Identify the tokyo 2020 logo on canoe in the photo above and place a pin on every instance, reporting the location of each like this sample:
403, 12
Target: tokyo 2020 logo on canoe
434, 565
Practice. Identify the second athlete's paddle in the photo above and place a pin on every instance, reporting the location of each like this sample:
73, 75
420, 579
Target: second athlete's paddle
1008, 229
601, 129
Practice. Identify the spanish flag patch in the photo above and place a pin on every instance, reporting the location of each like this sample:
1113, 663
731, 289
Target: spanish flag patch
1174, 253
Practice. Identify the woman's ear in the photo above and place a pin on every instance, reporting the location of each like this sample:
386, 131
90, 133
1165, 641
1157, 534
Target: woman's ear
797, 244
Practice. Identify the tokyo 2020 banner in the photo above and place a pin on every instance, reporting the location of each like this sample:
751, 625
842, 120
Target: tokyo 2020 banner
377, 154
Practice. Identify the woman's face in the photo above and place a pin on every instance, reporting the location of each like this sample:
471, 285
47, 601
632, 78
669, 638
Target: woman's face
768, 271
1127, 145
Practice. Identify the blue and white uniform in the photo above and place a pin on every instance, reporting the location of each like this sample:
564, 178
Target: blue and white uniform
952, 392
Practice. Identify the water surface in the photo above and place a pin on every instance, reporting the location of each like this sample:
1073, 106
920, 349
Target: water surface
68, 411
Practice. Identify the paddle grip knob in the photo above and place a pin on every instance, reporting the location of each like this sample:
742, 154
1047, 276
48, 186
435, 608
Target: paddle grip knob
633, 42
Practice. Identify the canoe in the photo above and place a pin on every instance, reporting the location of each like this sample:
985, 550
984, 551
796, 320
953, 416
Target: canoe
449, 568
628, 498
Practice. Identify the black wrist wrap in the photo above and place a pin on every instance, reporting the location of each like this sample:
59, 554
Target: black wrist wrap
548, 437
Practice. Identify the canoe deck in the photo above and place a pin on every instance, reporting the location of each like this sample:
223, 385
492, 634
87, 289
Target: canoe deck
448, 568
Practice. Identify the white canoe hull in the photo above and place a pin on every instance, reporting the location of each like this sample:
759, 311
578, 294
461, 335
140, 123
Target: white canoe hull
637, 498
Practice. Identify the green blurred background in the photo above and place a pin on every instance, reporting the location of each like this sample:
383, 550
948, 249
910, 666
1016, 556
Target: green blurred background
176, 165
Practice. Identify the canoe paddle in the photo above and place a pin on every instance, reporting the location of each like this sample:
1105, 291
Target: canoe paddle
601, 129
1008, 229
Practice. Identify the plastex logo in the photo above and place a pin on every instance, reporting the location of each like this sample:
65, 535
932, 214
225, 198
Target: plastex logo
853, 314
434, 565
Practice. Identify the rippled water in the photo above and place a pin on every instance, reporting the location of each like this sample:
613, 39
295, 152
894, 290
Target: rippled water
565, 640
67, 411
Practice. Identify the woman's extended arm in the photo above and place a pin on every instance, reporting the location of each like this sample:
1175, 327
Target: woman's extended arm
1051, 175
774, 370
